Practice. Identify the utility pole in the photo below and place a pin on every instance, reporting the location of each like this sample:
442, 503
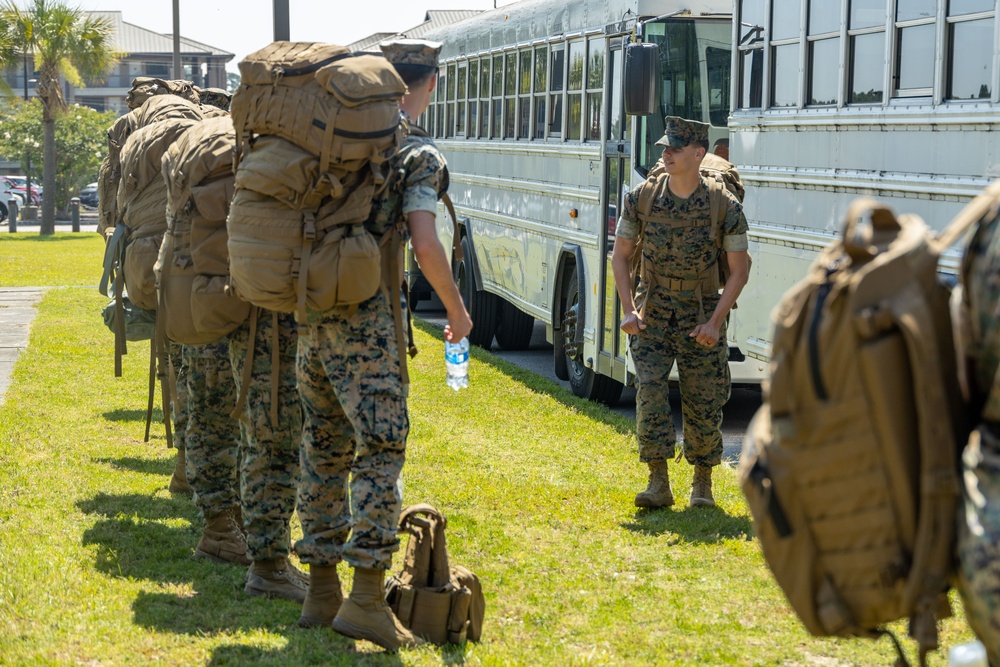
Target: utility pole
178, 72
282, 31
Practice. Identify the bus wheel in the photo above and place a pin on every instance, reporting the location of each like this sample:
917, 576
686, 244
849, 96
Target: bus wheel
514, 328
583, 380
482, 306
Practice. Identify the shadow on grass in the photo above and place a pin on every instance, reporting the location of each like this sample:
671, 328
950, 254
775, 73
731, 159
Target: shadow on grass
706, 525
533, 381
305, 647
126, 415
146, 466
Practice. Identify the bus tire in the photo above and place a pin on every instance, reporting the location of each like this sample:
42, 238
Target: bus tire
514, 327
584, 382
482, 306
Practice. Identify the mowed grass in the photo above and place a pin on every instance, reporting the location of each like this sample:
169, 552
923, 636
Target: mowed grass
96, 562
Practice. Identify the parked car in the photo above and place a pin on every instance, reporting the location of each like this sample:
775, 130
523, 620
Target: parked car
7, 192
88, 195
20, 185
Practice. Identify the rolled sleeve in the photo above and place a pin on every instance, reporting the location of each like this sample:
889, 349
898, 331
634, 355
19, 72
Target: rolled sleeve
735, 242
419, 198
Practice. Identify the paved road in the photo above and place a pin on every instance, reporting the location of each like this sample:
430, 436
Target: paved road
538, 359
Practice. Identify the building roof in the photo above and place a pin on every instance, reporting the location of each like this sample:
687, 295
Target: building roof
133, 39
435, 18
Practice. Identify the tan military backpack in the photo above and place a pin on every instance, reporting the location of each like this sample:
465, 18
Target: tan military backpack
849, 466
440, 602
145, 87
315, 127
193, 266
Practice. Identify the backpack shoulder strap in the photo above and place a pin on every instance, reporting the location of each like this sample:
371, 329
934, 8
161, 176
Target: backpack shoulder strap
718, 206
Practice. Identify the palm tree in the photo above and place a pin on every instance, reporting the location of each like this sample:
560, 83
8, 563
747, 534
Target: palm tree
65, 42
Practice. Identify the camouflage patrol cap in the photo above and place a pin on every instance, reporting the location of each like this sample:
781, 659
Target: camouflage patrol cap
679, 132
411, 52
217, 97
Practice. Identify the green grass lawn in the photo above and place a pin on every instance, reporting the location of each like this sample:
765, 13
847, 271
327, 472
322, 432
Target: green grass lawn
96, 562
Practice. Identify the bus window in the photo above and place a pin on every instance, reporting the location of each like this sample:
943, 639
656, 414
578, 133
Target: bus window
970, 55
595, 87
460, 100
867, 58
574, 99
615, 109
510, 95
719, 64
556, 75
686, 88
473, 94
540, 91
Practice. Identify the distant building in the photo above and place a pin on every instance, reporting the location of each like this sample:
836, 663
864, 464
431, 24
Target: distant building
146, 53
435, 18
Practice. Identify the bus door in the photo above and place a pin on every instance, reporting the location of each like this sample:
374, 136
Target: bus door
617, 168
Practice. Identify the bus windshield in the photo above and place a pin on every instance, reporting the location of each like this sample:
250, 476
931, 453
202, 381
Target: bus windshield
695, 64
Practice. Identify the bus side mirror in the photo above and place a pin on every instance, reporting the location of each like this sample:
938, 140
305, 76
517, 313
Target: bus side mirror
641, 74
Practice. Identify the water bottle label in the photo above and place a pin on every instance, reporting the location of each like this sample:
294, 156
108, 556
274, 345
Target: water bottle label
457, 356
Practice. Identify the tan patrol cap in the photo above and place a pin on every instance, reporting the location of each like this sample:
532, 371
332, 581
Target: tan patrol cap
679, 132
411, 52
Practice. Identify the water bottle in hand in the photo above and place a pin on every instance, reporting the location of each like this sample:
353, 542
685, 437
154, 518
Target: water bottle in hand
456, 361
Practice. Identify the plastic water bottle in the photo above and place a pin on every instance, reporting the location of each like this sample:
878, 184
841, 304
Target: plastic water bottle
456, 361
972, 654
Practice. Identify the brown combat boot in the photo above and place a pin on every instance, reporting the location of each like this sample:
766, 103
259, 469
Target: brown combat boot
323, 599
223, 540
657, 493
178, 480
365, 614
701, 488
276, 578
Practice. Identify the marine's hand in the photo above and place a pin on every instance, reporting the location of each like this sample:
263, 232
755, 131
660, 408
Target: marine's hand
632, 324
458, 327
705, 334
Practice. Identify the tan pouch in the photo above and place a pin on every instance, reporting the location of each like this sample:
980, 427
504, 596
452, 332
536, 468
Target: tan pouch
140, 257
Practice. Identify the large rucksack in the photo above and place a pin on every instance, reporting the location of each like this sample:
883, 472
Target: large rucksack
849, 466
315, 127
440, 602
193, 266
145, 87
721, 176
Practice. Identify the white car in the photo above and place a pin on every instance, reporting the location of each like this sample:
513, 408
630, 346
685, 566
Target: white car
6, 194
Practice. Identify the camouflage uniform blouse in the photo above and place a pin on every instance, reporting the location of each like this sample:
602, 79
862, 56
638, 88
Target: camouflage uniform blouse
684, 252
419, 177
983, 283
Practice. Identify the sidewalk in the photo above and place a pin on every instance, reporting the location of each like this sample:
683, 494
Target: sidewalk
17, 311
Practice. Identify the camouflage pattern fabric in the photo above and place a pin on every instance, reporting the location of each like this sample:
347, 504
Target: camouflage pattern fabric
212, 438
684, 253
354, 429
355, 418
979, 525
215, 97
679, 132
411, 52
269, 461
178, 408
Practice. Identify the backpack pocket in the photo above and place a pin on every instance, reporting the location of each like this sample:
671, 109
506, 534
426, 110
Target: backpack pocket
262, 274
344, 269
215, 310
140, 257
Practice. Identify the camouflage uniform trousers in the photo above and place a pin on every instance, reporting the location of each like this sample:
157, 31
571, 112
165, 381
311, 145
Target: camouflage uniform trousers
354, 432
269, 461
213, 435
979, 538
705, 388
178, 402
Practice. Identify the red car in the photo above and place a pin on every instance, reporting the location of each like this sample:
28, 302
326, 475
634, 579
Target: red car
19, 184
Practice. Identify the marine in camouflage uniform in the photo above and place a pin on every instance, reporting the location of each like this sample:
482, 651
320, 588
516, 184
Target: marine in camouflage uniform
354, 400
212, 440
979, 524
269, 456
677, 314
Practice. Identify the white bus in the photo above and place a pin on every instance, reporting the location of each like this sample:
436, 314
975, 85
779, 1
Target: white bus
530, 113
836, 99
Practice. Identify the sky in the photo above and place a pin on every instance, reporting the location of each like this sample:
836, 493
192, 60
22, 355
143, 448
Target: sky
243, 26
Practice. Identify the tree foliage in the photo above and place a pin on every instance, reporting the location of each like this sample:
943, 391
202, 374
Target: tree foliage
80, 144
65, 43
